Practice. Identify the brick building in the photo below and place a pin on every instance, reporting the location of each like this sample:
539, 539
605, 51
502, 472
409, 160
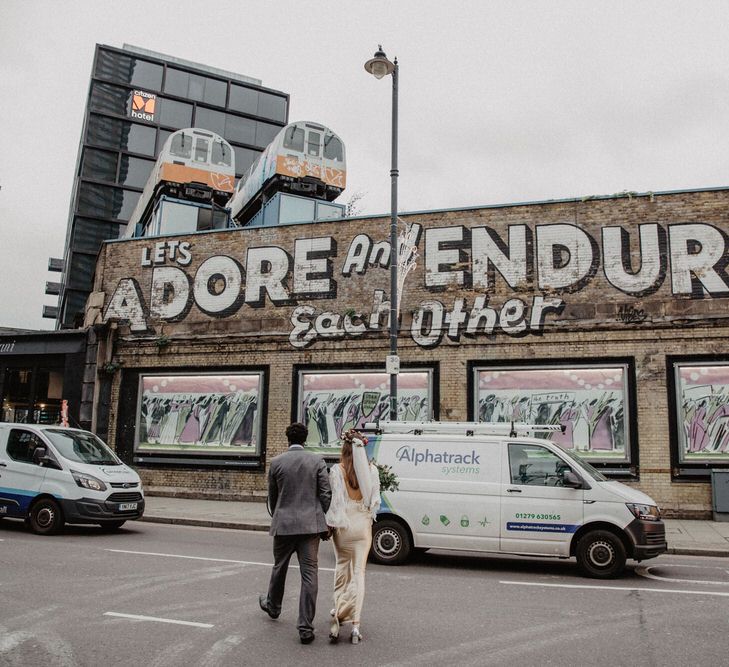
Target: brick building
607, 315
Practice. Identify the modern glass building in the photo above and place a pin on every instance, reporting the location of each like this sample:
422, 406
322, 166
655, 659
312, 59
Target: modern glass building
137, 98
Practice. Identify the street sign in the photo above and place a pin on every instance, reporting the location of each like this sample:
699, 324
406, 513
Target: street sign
392, 364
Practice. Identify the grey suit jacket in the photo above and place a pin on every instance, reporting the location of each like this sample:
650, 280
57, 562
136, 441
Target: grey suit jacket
298, 493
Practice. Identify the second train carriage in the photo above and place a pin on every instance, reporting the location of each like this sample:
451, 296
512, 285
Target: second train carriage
304, 158
194, 165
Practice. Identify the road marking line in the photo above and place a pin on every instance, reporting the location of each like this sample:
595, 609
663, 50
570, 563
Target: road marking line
136, 617
645, 571
616, 588
214, 560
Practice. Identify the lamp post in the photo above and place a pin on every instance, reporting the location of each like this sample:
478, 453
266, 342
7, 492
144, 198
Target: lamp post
379, 66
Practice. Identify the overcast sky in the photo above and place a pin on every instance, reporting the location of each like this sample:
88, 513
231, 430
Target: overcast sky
499, 101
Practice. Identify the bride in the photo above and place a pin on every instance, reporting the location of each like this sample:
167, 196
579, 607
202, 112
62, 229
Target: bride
355, 487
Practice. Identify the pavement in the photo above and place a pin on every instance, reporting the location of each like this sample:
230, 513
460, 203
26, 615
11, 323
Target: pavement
685, 537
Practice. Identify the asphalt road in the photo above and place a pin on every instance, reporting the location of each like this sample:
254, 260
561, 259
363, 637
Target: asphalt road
63, 601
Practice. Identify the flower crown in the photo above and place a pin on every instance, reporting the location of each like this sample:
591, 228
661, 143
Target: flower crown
354, 438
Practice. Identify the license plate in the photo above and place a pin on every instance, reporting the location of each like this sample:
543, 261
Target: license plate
125, 507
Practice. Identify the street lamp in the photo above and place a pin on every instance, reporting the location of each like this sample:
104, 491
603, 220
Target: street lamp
379, 66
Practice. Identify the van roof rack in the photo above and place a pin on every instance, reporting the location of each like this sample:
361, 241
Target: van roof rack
512, 429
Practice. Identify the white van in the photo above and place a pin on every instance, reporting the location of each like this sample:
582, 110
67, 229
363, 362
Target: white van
490, 487
51, 475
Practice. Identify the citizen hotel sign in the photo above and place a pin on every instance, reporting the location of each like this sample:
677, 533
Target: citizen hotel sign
470, 281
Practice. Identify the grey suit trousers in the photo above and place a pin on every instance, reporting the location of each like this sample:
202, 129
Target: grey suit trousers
306, 548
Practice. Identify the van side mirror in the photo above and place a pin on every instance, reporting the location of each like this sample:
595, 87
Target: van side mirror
570, 480
40, 458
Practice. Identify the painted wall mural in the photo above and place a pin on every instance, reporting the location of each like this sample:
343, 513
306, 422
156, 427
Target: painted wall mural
703, 397
511, 282
590, 403
330, 402
200, 414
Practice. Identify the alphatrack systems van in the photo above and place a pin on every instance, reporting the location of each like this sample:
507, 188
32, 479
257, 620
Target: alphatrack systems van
491, 487
51, 475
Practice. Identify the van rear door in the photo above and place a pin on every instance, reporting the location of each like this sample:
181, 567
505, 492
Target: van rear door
20, 477
539, 514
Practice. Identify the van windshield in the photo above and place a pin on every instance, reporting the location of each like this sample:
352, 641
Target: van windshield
82, 447
592, 471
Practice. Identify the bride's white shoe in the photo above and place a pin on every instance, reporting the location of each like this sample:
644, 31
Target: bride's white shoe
356, 636
334, 627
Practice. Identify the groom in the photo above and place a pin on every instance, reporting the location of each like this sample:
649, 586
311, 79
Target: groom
299, 496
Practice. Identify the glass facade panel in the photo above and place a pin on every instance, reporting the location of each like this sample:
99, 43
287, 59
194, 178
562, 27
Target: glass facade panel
74, 304
243, 99
272, 106
134, 171
200, 414
266, 133
242, 130
590, 403
174, 114
128, 69
210, 120
110, 99
106, 202
138, 139
89, 234
195, 87
244, 158
99, 165
702, 400
162, 136
120, 134
81, 271
103, 131
177, 82
215, 92
129, 201
331, 402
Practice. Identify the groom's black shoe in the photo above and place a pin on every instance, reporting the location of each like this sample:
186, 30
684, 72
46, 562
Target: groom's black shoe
306, 637
263, 602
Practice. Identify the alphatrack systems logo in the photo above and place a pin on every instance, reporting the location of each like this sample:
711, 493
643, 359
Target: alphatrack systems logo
417, 457
143, 105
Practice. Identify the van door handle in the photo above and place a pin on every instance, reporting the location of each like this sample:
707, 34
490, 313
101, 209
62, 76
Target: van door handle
513, 490
3, 464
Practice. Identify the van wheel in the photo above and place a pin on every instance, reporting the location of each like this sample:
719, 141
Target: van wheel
390, 543
110, 526
601, 554
45, 517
